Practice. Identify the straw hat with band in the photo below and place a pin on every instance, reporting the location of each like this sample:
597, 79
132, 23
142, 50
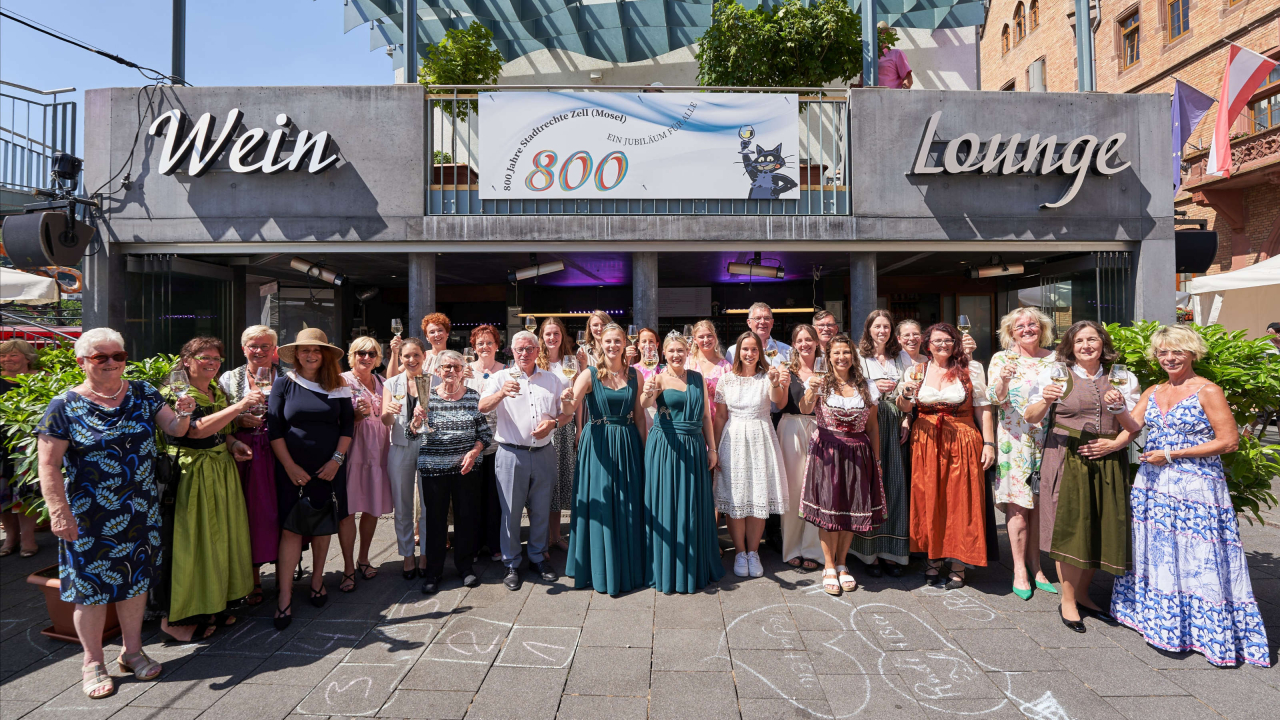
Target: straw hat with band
309, 336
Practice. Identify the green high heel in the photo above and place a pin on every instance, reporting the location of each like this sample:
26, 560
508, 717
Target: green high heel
1047, 587
1024, 594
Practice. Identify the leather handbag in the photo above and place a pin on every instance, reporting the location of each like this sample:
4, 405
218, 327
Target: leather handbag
308, 520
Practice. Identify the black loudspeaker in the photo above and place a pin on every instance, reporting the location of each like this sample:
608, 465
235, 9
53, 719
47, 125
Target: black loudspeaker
1194, 250
40, 239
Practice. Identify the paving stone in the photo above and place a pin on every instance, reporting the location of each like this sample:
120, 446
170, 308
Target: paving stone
545, 647
697, 695
867, 696
610, 671
1231, 693
636, 600
495, 593
1046, 629
782, 674
260, 702
325, 637
950, 708
26, 647
1163, 708
257, 637
1053, 695
43, 679
442, 675
14, 709
615, 628
937, 674
413, 606
962, 608
695, 610
393, 643
72, 701
768, 628
467, 638
352, 689
843, 652
1000, 649
289, 669
1155, 657
690, 650
594, 707
524, 692
760, 709
898, 631
549, 606
199, 683
146, 713
1114, 671
750, 595
435, 704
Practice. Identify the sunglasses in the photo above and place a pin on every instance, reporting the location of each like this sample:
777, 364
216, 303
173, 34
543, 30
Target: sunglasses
366, 353
101, 358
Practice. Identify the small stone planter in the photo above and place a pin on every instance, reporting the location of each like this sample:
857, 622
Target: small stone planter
62, 613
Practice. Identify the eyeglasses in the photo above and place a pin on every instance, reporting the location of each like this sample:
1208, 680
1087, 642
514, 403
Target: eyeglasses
450, 368
827, 326
1027, 327
259, 348
366, 353
525, 350
942, 343
101, 358
762, 318
208, 358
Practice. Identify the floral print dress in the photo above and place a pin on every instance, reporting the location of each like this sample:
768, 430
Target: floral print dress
1019, 443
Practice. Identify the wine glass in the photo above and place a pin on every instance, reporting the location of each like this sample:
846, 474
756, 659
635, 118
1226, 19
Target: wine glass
1058, 374
397, 326
262, 379
531, 323
632, 334
569, 366
963, 324
688, 334
915, 375
650, 357
582, 338
1119, 377
179, 382
469, 355
820, 365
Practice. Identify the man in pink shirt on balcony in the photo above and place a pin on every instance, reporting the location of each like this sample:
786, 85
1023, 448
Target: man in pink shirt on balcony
894, 70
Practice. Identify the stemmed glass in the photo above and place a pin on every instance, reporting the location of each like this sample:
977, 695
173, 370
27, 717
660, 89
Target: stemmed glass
180, 385
962, 323
650, 358
820, 365
531, 323
261, 383
582, 338
1058, 374
569, 366
397, 327
1119, 377
688, 334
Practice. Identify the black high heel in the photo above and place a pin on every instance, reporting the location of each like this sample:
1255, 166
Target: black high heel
1099, 614
933, 573
411, 573
319, 597
1075, 625
957, 582
283, 617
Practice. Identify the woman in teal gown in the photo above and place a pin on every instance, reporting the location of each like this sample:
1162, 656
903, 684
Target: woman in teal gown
680, 513
607, 544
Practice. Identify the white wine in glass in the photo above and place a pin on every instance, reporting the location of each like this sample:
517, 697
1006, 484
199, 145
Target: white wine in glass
688, 334
569, 366
632, 334
469, 356
531, 323
1058, 374
1119, 375
262, 379
582, 338
397, 326
179, 382
819, 365
963, 324
650, 358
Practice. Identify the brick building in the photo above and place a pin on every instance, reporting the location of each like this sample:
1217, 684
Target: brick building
1141, 47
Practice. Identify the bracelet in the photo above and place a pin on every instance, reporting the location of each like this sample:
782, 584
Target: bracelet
339, 457
1167, 457
989, 444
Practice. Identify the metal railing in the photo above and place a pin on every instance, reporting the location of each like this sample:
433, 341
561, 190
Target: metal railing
13, 325
453, 187
30, 132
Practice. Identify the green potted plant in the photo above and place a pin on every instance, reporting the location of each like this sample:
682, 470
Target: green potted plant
464, 57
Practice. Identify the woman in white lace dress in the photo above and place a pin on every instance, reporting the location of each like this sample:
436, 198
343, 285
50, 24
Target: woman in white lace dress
750, 482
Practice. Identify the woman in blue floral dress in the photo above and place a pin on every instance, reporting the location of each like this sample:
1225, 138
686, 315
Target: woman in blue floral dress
106, 512
1189, 588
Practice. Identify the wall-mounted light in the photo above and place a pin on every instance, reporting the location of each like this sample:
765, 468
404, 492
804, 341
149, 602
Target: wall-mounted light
996, 270
535, 271
755, 268
318, 271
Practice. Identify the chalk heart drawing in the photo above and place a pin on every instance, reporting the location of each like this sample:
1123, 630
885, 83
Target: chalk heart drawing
413, 605
335, 689
469, 639
961, 602
539, 647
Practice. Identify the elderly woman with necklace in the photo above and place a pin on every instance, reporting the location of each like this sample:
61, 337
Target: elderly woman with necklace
102, 434
211, 561
258, 475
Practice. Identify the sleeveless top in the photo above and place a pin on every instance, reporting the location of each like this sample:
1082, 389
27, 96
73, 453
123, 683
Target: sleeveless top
606, 406
679, 412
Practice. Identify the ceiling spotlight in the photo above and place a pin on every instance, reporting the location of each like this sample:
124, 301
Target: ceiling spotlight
995, 270
318, 271
534, 271
755, 268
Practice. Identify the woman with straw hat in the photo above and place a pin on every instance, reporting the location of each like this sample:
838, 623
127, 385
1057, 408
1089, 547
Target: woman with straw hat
310, 420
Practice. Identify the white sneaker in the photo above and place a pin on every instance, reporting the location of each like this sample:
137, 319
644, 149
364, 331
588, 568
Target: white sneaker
740, 564
753, 565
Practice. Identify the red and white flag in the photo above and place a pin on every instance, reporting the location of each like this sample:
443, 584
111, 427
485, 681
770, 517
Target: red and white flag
1245, 72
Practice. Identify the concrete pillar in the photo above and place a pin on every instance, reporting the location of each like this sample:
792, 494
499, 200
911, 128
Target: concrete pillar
644, 289
422, 292
862, 290
239, 309
1154, 281
105, 291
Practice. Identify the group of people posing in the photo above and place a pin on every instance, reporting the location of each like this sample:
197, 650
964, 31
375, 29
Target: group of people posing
879, 448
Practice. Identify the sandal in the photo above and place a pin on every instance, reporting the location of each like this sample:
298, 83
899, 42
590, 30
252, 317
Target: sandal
344, 587
849, 585
957, 579
318, 597
142, 667
223, 620
255, 597
367, 570
95, 682
283, 617
202, 632
830, 584
932, 573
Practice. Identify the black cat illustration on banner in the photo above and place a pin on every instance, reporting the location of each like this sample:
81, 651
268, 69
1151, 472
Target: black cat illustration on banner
766, 182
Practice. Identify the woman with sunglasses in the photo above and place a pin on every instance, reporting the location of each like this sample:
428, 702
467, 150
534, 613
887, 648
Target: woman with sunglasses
368, 486
101, 433
454, 433
211, 563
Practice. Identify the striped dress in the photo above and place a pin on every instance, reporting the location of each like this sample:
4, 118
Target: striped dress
456, 426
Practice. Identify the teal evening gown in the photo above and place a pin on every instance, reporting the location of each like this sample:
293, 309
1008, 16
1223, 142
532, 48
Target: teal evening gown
680, 513
607, 545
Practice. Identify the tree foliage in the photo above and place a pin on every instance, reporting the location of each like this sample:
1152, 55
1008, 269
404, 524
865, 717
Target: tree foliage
464, 57
1250, 379
787, 45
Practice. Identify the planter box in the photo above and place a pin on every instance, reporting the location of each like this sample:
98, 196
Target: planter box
454, 174
62, 613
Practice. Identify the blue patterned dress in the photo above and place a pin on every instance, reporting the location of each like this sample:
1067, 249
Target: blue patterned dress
111, 488
1189, 588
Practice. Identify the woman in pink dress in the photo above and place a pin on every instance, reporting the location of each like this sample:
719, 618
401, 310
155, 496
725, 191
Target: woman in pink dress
708, 360
368, 485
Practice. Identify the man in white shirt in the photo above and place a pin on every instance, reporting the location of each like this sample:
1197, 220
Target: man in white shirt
528, 410
760, 320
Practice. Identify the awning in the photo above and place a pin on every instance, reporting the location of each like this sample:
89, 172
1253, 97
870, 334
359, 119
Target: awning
1244, 299
20, 287
1266, 272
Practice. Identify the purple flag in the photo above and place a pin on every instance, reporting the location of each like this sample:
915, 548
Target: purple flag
1189, 105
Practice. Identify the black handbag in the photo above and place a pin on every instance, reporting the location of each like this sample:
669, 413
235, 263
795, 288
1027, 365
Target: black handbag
308, 520
1033, 480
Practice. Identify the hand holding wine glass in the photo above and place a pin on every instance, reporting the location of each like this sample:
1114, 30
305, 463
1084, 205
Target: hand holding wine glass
397, 327
1058, 375
181, 385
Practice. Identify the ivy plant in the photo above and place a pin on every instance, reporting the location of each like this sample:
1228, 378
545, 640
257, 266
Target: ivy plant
1250, 379
464, 57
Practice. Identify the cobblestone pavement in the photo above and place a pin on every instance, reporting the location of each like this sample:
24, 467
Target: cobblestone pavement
773, 647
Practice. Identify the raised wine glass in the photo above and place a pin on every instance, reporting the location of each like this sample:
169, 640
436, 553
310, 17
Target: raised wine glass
531, 323
963, 324
1058, 374
582, 338
632, 334
180, 385
1119, 377
397, 326
819, 365
569, 366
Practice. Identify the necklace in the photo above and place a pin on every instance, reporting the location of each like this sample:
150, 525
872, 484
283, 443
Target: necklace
112, 396
682, 377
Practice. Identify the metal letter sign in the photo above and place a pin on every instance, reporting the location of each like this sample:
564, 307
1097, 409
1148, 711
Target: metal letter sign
1013, 156
178, 144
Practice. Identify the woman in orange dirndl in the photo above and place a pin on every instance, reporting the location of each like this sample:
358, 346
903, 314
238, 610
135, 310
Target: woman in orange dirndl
949, 453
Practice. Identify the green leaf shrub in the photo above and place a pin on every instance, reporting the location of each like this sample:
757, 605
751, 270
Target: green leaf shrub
464, 57
1249, 377
22, 408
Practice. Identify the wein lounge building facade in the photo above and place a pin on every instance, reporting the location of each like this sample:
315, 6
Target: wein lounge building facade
238, 205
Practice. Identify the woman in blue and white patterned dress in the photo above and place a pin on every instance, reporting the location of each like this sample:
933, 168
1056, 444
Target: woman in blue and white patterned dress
1189, 588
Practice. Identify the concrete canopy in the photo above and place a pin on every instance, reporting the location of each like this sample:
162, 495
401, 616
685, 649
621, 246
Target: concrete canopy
610, 30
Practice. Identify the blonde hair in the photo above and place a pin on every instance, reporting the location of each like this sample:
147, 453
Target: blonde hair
591, 344
602, 363
566, 343
23, 348
697, 351
254, 331
1007, 341
674, 337
1177, 337
364, 342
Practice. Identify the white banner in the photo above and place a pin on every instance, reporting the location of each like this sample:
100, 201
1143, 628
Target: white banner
599, 145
